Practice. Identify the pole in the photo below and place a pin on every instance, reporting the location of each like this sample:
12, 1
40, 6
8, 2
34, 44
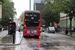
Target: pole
13, 38
66, 22
66, 31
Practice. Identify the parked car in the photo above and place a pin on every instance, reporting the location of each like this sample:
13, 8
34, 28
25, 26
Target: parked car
51, 29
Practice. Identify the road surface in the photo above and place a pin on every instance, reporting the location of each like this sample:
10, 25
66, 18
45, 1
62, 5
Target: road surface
47, 41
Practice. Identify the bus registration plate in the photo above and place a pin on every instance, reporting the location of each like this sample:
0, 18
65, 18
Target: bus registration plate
31, 35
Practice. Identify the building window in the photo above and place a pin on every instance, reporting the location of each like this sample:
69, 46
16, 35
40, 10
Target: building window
43, 1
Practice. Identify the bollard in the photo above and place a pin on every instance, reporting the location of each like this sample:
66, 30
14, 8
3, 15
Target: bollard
13, 38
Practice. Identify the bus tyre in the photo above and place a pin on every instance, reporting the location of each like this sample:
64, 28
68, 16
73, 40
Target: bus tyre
37, 36
54, 32
24, 36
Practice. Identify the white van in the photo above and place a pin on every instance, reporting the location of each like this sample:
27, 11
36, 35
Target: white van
51, 30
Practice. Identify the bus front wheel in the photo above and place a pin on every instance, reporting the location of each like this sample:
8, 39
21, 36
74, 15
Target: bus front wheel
24, 36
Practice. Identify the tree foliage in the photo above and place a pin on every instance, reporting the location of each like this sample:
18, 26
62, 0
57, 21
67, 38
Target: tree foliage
66, 6
2, 1
8, 11
42, 21
48, 15
22, 16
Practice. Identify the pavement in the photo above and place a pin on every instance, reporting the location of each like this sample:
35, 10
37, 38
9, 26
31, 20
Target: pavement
6, 39
63, 32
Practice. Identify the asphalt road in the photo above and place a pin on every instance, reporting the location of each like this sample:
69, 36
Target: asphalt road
47, 41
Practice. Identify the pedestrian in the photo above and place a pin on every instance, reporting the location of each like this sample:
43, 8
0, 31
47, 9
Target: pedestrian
72, 29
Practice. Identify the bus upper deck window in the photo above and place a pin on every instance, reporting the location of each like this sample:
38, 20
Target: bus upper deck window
35, 15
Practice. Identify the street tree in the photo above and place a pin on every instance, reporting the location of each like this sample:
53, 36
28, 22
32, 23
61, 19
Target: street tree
22, 16
42, 21
66, 6
48, 15
2, 1
8, 11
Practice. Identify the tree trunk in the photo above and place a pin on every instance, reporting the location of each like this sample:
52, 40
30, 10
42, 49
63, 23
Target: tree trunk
66, 31
70, 25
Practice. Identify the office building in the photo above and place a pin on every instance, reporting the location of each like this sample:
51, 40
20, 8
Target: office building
39, 4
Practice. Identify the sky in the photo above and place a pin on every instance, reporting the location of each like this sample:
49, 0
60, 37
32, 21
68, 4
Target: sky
22, 5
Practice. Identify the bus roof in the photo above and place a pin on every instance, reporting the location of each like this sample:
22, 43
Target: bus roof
34, 11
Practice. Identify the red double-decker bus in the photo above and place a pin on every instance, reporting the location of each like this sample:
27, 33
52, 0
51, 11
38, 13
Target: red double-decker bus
32, 23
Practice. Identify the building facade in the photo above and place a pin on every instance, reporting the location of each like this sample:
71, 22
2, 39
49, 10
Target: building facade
37, 1
39, 4
64, 21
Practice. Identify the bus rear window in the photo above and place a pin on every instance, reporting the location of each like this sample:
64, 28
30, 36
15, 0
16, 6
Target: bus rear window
32, 16
31, 25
